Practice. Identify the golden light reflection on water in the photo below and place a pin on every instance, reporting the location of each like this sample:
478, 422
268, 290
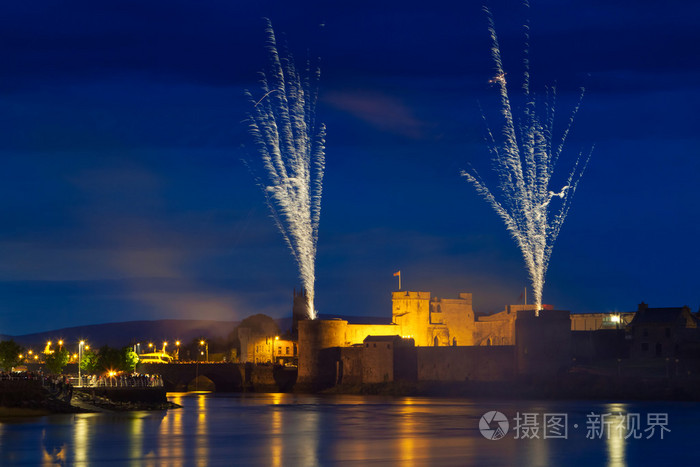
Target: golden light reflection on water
202, 439
81, 433
407, 433
276, 434
616, 442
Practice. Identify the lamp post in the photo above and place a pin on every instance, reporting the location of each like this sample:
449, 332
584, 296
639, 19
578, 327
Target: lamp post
177, 350
80, 359
205, 344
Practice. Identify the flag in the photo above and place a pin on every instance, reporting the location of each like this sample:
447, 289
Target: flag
397, 273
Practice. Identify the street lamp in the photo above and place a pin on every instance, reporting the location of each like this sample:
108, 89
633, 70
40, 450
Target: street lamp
165, 343
177, 350
81, 344
206, 346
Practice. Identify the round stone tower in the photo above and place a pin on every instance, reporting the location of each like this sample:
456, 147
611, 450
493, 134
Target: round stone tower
318, 351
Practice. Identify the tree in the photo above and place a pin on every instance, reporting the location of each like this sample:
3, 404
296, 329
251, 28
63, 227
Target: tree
88, 363
9, 355
109, 359
129, 359
57, 361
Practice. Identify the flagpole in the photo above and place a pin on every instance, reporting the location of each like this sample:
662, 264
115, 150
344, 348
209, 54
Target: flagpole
398, 273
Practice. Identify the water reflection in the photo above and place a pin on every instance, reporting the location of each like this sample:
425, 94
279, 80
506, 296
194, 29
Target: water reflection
616, 436
288, 429
81, 442
202, 446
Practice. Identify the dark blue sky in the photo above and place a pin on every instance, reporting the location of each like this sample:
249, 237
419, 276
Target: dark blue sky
123, 195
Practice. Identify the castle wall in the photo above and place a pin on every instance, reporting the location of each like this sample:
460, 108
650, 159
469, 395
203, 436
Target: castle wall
496, 329
356, 333
596, 321
543, 343
465, 363
378, 362
441, 322
458, 317
351, 365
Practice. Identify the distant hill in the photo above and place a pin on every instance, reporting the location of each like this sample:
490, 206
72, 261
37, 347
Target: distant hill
125, 333
157, 331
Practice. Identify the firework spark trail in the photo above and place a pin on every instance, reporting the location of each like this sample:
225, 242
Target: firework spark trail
524, 160
283, 125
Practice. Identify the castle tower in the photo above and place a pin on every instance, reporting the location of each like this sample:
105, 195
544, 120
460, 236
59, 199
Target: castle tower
300, 310
319, 341
542, 343
411, 312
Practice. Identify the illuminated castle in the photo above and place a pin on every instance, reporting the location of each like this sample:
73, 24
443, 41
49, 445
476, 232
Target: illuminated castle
432, 339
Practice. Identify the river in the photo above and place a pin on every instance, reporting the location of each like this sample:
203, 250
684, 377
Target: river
311, 430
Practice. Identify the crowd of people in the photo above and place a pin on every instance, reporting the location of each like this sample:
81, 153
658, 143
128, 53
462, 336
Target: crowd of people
125, 381
59, 383
19, 375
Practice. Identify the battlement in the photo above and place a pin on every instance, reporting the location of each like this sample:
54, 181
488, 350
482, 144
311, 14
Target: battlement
405, 294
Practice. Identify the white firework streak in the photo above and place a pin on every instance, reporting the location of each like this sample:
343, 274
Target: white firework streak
524, 160
283, 124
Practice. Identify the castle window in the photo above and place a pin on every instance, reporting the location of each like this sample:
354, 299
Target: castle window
287, 351
454, 342
435, 342
374, 345
367, 345
388, 346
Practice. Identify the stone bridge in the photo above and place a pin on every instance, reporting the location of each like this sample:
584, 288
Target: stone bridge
222, 377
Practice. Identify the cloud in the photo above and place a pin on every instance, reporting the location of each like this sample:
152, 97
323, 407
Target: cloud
383, 112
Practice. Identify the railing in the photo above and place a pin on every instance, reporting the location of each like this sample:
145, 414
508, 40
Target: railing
123, 381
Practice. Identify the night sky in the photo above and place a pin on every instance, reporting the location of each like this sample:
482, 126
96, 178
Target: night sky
123, 195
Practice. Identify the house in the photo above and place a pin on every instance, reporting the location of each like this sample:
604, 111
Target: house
662, 332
